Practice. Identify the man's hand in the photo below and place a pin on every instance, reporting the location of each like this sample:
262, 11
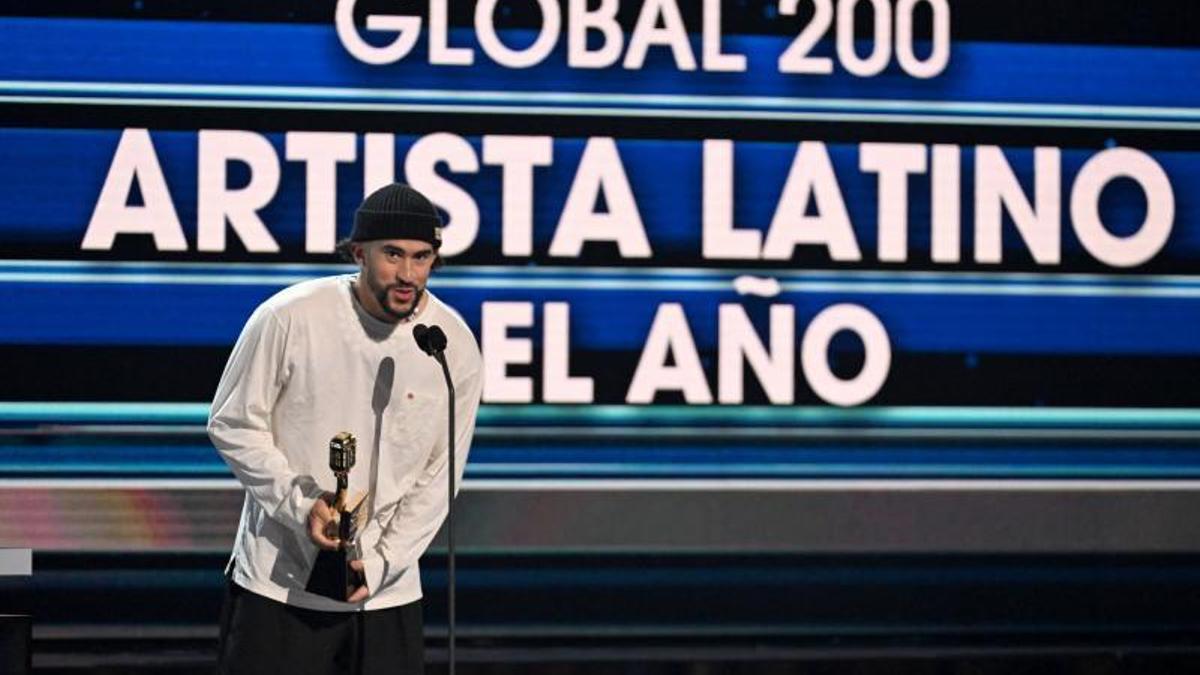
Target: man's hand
359, 594
323, 531
323, 523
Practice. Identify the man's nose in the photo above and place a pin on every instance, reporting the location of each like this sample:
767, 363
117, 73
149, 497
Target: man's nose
404, 271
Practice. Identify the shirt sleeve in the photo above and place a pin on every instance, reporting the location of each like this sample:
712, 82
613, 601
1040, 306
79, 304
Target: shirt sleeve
239, 424
424, 507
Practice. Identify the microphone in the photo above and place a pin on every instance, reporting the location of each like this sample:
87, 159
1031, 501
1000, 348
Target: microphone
430, 339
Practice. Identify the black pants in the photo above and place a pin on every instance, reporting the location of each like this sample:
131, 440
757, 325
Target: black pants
260, 636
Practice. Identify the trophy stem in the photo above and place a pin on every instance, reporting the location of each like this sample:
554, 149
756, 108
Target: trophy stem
343, 484
340, 505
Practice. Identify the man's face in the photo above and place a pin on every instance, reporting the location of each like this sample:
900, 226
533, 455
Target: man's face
392, 276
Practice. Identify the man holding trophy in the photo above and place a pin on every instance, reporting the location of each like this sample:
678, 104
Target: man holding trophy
337, 425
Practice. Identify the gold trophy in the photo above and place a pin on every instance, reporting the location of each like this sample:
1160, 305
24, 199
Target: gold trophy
331, 574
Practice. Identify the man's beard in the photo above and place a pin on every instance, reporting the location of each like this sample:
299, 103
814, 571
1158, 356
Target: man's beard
381, 295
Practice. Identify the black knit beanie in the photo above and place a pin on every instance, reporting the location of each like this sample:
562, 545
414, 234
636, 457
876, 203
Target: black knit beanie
397, 211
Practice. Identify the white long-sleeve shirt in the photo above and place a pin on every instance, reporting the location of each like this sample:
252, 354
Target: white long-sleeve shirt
311, 363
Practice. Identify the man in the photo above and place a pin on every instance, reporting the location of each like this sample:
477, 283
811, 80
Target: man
322, 357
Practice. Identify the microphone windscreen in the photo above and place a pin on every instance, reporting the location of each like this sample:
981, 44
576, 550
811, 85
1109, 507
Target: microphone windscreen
430, 339
436, 338
426, 339
421, 335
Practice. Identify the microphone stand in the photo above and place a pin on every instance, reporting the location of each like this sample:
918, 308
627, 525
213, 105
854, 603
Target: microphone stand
432, 341
441, 358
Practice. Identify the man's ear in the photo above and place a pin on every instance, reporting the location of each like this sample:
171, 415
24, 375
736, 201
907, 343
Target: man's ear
357, 252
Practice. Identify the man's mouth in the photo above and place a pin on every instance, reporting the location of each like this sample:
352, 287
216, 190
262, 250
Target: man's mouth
404, 294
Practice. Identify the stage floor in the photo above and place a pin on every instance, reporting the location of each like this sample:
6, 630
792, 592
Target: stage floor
704, 614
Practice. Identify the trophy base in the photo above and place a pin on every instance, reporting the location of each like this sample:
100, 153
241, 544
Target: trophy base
332, 577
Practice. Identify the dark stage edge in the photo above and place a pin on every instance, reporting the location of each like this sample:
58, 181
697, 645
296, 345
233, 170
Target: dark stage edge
705, 614
601, 657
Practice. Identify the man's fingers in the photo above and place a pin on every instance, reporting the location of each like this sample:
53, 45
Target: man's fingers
331, 529
321, 539
358, 595
361, 592
322, 509
322, 526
